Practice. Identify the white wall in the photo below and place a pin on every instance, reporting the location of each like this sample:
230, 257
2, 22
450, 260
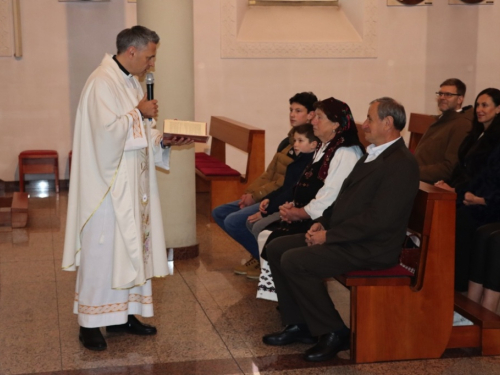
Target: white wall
418, 47
62, 44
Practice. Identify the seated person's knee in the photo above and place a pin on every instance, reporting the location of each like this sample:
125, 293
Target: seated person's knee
291, 260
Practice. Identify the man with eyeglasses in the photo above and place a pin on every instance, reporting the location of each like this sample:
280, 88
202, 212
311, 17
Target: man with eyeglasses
437, 151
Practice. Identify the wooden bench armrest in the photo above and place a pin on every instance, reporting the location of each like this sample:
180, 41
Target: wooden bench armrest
232, 132
247, 138
476, 313
20, 202
217, 177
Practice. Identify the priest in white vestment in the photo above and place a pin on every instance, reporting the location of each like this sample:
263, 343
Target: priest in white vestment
114, 230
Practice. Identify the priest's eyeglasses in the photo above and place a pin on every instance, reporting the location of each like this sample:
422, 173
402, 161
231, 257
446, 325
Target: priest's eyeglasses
446, 94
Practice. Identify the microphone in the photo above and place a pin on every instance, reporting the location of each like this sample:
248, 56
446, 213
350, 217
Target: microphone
150, 81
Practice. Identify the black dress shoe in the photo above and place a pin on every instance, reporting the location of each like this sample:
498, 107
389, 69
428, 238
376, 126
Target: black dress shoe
134, 327
327, 347
291, 333
92, 338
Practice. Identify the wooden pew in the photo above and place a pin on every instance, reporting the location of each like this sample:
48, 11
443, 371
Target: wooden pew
19, 210
484, 334
14, 211
409, 316
214, 175
418, 125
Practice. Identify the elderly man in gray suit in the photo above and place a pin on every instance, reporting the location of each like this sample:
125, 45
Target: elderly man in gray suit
363, 229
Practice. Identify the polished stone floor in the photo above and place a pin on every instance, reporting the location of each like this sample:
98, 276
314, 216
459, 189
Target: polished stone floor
208, 319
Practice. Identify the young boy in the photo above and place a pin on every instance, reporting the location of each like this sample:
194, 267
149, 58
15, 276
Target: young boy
232, 216
304, 145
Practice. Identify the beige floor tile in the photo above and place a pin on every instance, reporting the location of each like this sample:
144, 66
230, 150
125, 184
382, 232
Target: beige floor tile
28, 253
199, 341
42, 357
30, 307
27, 272
30, 337
33, 240
123, 350
204, 314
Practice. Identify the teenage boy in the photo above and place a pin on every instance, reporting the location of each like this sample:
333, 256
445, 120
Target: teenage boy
232, 217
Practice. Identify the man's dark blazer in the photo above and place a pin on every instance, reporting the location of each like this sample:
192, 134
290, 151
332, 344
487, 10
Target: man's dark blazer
368, 220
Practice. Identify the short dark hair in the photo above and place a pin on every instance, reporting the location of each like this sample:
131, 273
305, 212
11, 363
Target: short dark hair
307, 130
306, 98
137, 36
461, 88
390, 107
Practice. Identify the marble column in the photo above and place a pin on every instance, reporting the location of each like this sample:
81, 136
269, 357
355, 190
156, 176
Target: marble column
174, 89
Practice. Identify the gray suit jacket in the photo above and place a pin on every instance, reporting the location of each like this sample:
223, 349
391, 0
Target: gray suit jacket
368, 221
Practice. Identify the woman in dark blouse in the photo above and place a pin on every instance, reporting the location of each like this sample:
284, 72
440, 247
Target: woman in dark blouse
476, 180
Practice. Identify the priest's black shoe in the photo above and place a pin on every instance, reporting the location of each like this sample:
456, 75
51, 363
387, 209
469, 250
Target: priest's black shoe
134, 327
92, 339
291, 333
327, 347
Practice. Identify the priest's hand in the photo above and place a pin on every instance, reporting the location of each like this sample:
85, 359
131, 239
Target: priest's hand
177, 141
148, 108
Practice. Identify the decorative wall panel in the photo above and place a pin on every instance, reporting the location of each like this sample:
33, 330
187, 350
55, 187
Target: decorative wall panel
293, 2
231, 47
408, 2
471, 2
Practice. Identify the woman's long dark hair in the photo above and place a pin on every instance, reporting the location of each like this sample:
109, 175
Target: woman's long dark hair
491, 137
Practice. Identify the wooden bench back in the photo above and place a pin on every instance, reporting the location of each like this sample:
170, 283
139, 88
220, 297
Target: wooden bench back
400, 318
418, 125
244, 137
420, 223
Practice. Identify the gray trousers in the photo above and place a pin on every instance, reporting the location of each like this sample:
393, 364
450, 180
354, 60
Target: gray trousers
258, 226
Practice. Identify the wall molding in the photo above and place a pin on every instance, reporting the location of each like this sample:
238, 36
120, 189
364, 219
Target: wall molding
6, 36
232, 48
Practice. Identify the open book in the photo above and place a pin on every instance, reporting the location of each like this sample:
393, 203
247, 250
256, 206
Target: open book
197, 131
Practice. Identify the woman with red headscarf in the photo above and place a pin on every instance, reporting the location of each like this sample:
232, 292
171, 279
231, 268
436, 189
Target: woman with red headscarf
317, 189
